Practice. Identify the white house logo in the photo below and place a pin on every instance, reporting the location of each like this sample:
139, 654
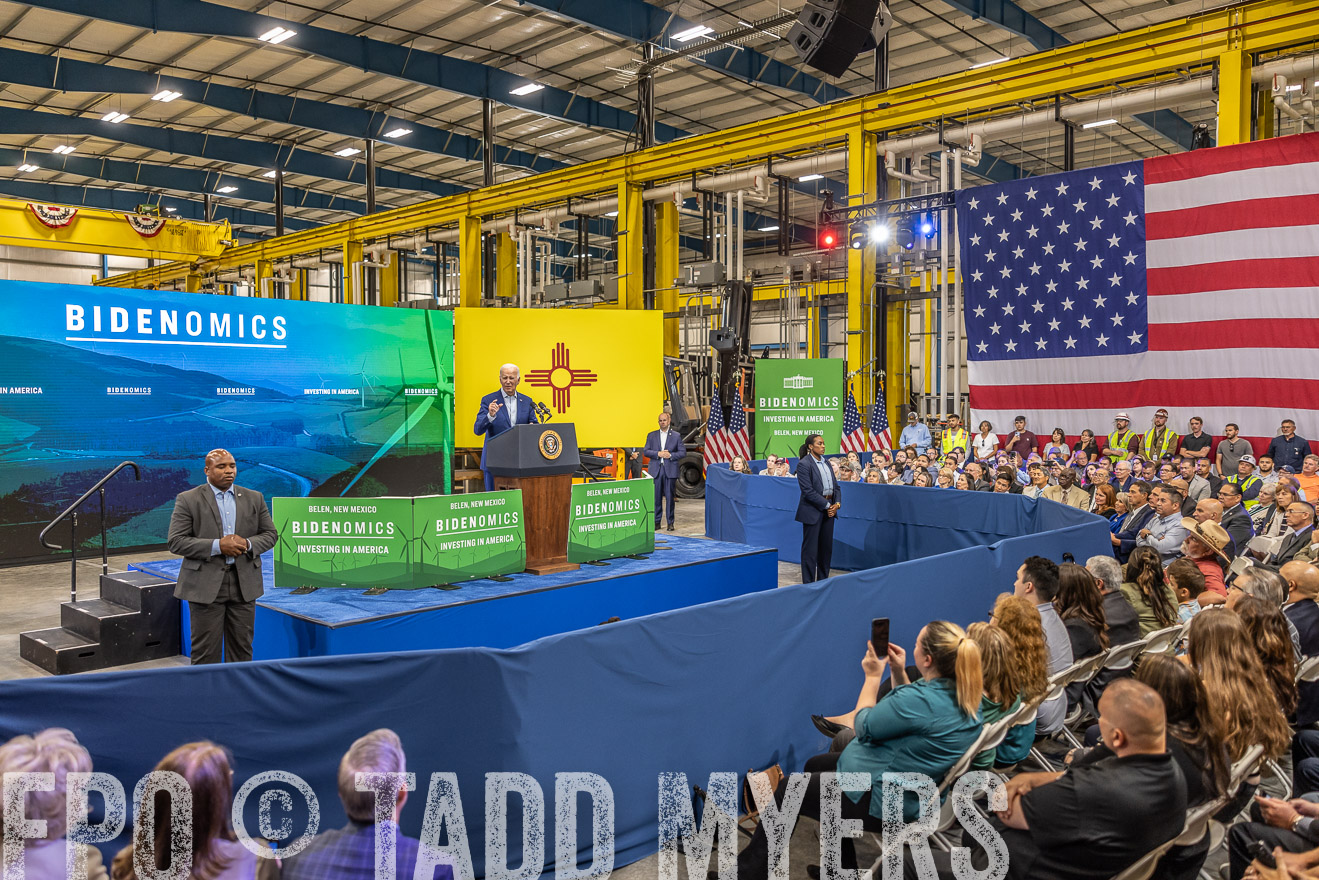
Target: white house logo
798, 382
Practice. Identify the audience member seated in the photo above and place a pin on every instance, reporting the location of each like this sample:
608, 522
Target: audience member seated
946, 478
1037, 581
1004, 694
962, 482
1123, 624
1187, 582
1235, 518
58, 752
216, 852
922, 479
920, 727
1146, 589
1039, 480
1067, 492
874, 474
1138, 516
1204, 470
1164, 531
348, 853
1302, 587
1267, 631
1104, 501
1265, 509
1080, 604
1245, 480
739, 465
1286, 493
1205, 545
1020, 621
1104, 813
1197, 487
1288, 826
1298, 536
771, 466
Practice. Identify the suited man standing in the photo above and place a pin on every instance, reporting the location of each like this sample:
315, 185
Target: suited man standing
817, 509
665, 450
501, 410
221, 530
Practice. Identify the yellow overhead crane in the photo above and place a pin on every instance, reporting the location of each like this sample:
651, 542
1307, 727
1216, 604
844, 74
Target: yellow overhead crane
97, 231
1227, 37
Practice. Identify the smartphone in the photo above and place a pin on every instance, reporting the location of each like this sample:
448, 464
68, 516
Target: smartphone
879, 636
1262, 853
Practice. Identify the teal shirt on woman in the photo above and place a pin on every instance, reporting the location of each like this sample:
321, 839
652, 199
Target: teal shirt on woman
917, 728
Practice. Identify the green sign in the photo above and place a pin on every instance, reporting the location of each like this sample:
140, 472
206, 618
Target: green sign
796, 397
611, 519
343, 542
463, 537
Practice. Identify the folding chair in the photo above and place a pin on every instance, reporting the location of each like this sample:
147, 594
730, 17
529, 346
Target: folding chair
1164, 641
1081, 670
1308, 671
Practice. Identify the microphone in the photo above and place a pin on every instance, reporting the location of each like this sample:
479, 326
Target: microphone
543, 412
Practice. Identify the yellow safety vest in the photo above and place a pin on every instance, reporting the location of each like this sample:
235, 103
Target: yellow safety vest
1117, 445
954, 439
1169, 442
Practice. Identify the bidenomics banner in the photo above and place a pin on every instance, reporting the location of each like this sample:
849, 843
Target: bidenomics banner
611, 518
313, 399
795, 398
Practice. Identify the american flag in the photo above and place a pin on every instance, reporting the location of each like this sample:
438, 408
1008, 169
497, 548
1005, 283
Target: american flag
722, 443
1188, 281
854, 438
880, 438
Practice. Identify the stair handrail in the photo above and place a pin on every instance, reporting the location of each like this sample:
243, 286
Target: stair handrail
71, 512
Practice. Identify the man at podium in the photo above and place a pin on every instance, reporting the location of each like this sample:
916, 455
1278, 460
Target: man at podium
501, 410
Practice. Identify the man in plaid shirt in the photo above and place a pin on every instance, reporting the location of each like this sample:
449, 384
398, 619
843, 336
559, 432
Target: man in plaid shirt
348, 853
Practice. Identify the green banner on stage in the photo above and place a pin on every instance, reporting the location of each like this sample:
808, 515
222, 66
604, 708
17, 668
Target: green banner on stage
795, 398
464, 537
611, 519
343, 542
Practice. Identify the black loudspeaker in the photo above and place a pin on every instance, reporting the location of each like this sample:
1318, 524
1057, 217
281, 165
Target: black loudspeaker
829, 34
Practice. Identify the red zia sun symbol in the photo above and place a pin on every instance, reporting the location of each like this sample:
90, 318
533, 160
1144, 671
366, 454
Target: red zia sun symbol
561, 377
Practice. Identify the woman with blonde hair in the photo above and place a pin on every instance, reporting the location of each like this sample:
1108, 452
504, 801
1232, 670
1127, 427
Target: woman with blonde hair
55, 751
919, 727
1003, 694
216, 853
1248, 714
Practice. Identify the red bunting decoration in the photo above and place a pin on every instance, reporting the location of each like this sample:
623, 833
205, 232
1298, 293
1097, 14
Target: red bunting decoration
54, 216
145, 226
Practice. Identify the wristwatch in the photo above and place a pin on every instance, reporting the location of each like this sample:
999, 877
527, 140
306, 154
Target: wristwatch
1295, 822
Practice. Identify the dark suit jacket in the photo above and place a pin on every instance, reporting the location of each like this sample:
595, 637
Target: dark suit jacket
664, 467
1291, 547
1128, 535
1305, 615
811, 507
526, 415
1239, 526
195, 525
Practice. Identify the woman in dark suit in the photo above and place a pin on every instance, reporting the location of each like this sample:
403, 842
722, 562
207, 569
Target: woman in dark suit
816, 509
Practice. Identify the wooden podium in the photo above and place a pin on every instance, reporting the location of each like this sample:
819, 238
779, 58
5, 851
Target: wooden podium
540, 460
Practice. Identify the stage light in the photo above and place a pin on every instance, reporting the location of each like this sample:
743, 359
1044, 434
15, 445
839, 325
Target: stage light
857, 238
906, 234
63, 150
397, 132
276, 35
692, 33
927, 227
165, 96
879, 233
527, 89
828, 238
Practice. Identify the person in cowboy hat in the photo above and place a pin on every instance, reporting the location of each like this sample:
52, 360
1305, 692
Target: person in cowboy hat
1123, 442
1204, 545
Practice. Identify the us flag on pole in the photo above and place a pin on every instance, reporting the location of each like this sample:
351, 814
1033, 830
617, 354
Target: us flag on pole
1188, 281
880, 438
854, 438
722, 443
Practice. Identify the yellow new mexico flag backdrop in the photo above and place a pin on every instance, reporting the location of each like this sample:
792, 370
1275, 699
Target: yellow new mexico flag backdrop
600, 369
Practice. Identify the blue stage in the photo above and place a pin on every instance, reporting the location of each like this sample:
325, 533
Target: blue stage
499, 614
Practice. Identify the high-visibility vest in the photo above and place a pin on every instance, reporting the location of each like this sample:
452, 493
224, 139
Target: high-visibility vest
1117, 444
1243, 485
1169, 443
954, 439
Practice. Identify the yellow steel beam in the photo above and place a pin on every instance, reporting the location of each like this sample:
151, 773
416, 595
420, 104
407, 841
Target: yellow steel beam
506, 265
389, 279
1234, 89
94, 231
265, 270
631, 251
666, 270
1141, 55
469, 261
353, 291
862, 188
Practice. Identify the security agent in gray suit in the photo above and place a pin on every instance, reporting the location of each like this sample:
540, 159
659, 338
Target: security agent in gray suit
221, 530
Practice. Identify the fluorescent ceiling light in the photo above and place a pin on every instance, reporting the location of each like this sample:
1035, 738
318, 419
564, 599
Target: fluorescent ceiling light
768, 229
527, 89
397, 132
692, 33
347, 151
277, 35
990, 61
63, 150
272, 174
612, 214
165, 96
114, 116
807, 178
1100, 123
225, 190
28, 167
170, 210
1295, 87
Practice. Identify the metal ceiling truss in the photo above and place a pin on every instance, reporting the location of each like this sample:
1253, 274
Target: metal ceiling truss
403, 62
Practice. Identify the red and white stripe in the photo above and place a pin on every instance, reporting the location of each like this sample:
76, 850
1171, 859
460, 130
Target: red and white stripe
858, 441
1232, 271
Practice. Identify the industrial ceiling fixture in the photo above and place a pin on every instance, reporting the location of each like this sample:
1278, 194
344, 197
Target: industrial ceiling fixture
691, 33
28, 168
276, 35
527, 89
398, 132
346, 152
226, 189
114, 116
165, 96
63, 150
1100, 123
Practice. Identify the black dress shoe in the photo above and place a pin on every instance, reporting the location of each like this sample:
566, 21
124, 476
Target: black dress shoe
657, 527
827, 727
670, 527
